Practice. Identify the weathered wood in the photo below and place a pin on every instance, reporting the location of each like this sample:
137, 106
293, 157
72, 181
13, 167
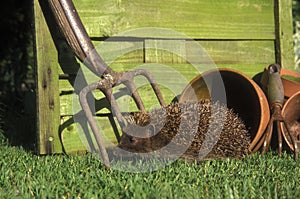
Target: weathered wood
245, 35
73, 134
166, 74
48, 112
179, 51
165, 51
214, 19
121, 51
74, 138
284, 34
238, 52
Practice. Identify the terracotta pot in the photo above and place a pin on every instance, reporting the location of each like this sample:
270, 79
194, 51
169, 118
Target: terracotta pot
239, 92
290, 87
291, 114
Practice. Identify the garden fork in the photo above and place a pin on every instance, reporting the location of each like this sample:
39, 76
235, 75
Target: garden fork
71, 26
272, 81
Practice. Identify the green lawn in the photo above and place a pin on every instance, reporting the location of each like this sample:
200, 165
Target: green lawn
25, 175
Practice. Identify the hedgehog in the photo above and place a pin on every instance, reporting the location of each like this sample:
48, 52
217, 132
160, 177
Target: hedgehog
194, 130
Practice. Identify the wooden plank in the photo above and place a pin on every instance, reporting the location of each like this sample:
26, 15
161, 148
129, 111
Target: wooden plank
165, 51
177, 51
75, 139
236, 34
234, 52
120, 50
47, 86
214, 19
220, 52
171, 77
72, 141
284, 34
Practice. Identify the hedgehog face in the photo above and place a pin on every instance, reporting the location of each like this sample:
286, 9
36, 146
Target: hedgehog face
136, 139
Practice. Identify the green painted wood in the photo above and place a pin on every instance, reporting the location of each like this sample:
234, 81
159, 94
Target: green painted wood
179, 51
231, 19
71, 141
123, 51
165, 51
72, 135
47, 86
236, 52
74, 138
284, 34
245, 35
176, 76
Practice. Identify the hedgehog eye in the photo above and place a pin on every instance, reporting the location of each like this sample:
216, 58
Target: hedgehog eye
132, 139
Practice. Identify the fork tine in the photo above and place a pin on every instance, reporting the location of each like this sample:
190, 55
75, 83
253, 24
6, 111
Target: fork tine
279, 134
76, 35
268, 136
106, 85
129, 76
135, 95
86, 108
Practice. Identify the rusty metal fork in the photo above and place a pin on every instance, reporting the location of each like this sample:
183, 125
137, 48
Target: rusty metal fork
275, 93
71, 26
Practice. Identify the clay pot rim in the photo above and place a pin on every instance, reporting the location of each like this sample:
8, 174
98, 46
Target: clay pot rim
286, 104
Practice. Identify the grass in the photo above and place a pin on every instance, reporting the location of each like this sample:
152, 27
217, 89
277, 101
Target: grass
25, 175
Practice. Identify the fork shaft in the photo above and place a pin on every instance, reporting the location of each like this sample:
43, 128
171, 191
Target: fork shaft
76, 35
